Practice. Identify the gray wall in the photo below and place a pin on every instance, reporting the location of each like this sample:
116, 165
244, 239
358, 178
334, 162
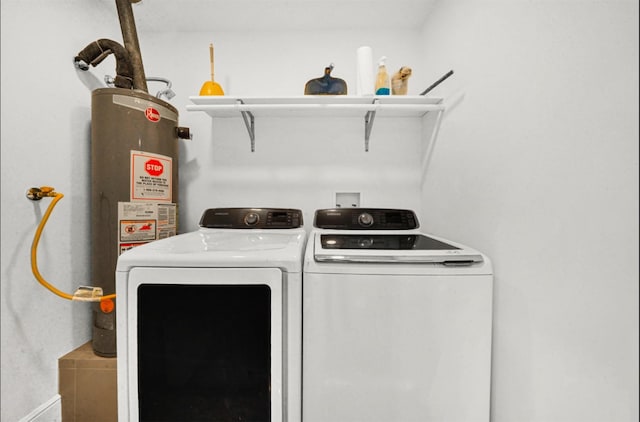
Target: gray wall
537, 166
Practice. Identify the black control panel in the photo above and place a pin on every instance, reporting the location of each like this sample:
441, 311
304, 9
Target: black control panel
251, 218
365, 219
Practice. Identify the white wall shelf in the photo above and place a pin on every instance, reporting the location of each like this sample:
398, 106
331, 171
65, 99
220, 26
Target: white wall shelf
316, 106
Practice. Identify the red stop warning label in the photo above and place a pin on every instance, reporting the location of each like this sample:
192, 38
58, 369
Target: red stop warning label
153, 167
151, 177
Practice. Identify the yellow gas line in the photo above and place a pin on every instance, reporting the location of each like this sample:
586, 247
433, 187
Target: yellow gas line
83, 294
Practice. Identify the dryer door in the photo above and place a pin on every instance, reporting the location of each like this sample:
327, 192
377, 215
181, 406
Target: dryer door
200, 344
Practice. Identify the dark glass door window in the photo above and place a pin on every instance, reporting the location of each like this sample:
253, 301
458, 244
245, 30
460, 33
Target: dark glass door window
204, 353
383, 242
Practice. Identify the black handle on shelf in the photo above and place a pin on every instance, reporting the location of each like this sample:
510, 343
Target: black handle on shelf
436, 83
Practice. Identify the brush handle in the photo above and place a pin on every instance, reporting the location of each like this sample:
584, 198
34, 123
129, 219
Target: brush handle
211, 59
436, 83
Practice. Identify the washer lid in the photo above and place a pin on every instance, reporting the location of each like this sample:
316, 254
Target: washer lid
404, 247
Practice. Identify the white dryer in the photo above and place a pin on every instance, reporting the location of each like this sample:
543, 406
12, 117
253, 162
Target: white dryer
209, 322
396, 323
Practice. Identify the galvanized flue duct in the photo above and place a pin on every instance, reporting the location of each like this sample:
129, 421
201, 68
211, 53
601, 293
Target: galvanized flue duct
130, 38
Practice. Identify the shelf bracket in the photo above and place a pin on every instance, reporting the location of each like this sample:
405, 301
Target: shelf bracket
368, 125
435, 128
249, 122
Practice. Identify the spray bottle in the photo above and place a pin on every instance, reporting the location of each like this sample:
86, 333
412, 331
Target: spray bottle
382, 80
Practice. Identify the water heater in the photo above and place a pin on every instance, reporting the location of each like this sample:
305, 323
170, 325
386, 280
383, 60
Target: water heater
134, 187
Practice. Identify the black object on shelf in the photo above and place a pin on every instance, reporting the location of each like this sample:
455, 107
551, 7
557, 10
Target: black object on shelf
436, 83
326, 85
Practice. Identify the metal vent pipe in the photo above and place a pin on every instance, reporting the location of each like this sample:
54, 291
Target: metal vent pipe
130, 39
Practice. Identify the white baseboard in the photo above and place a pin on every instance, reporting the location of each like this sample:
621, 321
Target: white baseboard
49, 411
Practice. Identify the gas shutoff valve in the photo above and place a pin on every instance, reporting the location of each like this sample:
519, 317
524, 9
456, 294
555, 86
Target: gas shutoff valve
36, 194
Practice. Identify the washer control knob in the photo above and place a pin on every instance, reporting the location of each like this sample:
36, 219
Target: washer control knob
251, 219
365, 219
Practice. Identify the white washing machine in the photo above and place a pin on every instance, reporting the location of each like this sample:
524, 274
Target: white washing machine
396, 323
209, 322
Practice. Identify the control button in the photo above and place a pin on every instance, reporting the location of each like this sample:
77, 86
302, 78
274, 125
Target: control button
365, 242
251, 219
365, 219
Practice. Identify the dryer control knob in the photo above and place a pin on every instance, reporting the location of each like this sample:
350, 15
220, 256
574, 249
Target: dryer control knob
365, 219
251, 219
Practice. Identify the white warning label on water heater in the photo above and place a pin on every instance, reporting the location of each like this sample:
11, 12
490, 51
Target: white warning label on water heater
141, 223
151, 177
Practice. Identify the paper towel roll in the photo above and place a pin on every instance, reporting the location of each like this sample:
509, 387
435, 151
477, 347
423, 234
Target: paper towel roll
364, 74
